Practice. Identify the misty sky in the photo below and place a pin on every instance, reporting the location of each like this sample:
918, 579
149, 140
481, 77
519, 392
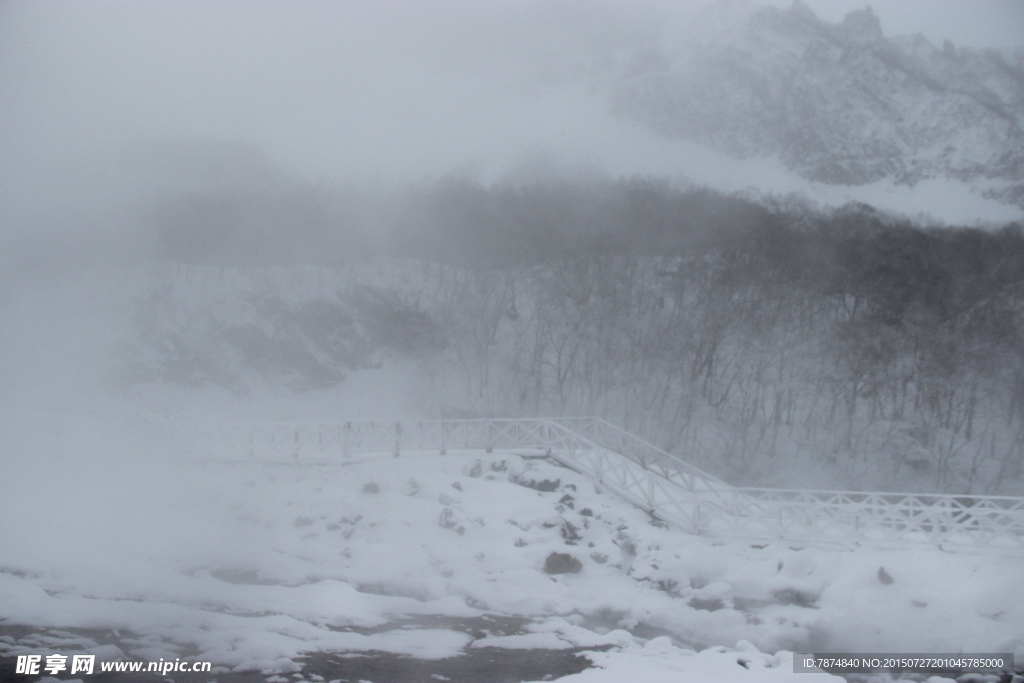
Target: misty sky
370, 91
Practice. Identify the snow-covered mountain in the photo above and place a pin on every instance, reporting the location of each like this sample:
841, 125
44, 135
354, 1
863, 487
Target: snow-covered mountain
836, 103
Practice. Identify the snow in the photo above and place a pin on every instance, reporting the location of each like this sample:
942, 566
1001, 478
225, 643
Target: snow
629, 148
658, 661
254, 565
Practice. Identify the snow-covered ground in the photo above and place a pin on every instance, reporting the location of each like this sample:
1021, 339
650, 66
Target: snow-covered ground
257, 567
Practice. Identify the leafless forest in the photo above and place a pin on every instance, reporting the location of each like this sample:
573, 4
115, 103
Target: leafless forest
771, 343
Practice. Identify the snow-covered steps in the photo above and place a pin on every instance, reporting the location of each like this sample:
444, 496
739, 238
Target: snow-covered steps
663, 484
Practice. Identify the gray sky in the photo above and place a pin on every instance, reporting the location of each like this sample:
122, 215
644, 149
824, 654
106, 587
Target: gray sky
375, 90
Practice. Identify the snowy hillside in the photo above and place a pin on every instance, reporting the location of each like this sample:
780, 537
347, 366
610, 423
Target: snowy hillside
218, 327
778, 259
269, 569
698, 356
839, 103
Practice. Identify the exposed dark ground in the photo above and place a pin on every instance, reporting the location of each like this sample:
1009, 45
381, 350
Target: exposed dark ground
477, 665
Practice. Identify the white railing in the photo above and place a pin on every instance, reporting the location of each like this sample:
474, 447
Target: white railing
304, 440
648, 477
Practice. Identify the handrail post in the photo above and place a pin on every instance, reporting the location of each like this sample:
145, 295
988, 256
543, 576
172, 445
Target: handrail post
398, 439
346, 440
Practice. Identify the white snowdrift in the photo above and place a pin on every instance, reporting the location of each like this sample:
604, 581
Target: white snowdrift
254, 565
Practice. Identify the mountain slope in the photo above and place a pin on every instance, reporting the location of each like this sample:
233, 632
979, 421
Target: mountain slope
838, 103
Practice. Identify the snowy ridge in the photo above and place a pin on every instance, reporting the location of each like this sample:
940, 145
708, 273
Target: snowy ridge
838, 103
663, 485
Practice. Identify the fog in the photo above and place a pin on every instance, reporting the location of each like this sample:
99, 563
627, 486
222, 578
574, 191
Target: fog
112, 110
216, 211
108, 104
337, 90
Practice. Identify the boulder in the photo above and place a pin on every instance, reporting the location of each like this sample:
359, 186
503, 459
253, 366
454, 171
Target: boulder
562, 563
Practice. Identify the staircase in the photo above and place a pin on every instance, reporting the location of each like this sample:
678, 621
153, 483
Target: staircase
663, 484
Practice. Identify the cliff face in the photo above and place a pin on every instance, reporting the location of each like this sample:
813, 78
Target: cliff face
838, 103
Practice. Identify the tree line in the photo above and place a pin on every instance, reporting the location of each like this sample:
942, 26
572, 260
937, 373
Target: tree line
752, 338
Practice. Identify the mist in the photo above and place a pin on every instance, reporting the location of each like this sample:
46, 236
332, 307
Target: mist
108, 106
784, 247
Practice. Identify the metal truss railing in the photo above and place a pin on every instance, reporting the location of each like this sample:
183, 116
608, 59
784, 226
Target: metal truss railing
639, 472
304, 440
883, 518
648, 456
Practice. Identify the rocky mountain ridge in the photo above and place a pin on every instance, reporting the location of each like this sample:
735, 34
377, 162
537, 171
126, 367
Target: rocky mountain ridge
837, 103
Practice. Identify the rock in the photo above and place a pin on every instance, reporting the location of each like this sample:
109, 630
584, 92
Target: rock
793, 596
371, 487
569, 531
562, 563
448, 521
543, 485
884, 577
